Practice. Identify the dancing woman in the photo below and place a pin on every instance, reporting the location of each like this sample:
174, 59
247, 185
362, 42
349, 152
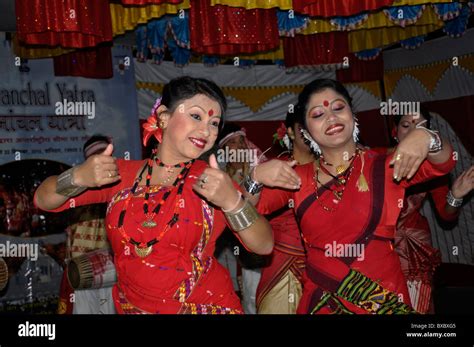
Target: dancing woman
347, 203
418, 258
281, 284
165, 213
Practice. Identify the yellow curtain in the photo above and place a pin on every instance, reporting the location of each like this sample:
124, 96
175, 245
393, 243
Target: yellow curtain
250, 4
37, 52
360, 40
128, 17
375, 20
418, 2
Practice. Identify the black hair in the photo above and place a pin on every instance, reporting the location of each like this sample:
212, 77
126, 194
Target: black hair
290, 119
424, 112
96, 138
185, 87
316, 86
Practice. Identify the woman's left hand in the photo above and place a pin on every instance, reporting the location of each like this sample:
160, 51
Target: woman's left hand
410, 153
216, 186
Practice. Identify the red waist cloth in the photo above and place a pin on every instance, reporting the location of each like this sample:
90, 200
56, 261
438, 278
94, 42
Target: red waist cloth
288, 253
181, 269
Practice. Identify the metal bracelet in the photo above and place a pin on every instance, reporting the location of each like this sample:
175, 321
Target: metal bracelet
243, 218
436, 144
251, 186
452, 201
65, 184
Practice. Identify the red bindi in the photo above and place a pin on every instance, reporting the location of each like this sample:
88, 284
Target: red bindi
211, 112
326, 103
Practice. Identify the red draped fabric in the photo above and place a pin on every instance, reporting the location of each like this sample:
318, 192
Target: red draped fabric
89, 62
317, 49
66, 23
331, 8
361, 70
225, 30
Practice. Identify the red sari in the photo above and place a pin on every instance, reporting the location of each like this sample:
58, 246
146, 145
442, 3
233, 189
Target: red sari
181, 274
372, 281
413, 243
288, 252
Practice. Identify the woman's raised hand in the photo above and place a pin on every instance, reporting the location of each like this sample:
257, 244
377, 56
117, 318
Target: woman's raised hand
277, 173
410, 153
98, 170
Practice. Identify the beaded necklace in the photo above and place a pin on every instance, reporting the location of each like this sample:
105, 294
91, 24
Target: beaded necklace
341, 182
143, 249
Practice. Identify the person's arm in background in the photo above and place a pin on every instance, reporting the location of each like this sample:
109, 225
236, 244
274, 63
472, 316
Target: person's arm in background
279, 179
461, 187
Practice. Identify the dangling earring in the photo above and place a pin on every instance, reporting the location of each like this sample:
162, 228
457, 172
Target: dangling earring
356, 132
310, 142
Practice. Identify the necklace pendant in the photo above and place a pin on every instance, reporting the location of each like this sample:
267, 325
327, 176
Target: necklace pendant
142, 252
149, 224
340, 169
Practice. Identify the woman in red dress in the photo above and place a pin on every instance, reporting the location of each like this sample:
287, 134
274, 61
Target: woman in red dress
347, 203
418, 258
165, 213
281, 284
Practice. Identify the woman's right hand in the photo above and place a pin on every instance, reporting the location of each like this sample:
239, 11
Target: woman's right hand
98, 170
277, 173
463, 184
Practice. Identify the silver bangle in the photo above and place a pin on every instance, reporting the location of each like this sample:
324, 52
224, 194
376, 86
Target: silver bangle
452, 201
65, 184
252, 187
436, 144
243, 218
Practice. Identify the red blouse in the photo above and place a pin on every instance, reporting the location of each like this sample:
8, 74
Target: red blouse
181, 274
349, 224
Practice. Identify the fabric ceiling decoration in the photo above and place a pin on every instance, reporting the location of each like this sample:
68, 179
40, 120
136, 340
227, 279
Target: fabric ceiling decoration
63, 23
214, 31
149, 2
290, 23
403, 15
251, 4
362, 70
225, 30
319, 49
374, 20
413, 43
457, 26
428, 76
447, 11
331, 8
126, 18
93, 62
349, 23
